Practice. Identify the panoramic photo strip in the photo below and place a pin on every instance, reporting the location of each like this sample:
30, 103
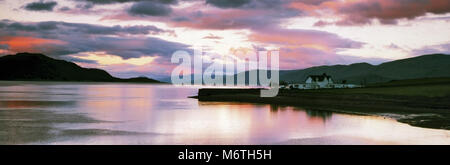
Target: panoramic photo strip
224, 80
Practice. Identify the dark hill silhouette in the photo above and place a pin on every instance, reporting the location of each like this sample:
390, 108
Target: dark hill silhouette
426, 66
38, 67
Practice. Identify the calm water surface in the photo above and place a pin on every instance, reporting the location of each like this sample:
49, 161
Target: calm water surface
109, 113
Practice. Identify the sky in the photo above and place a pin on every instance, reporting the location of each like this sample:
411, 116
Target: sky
130, 38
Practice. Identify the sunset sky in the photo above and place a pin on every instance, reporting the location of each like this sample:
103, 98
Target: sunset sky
131, 38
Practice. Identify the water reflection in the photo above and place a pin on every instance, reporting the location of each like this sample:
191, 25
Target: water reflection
320, 114
324, 115
162, 114
14, 104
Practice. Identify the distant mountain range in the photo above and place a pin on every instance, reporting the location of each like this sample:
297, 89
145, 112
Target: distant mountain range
38, 67
29, 66
425, 66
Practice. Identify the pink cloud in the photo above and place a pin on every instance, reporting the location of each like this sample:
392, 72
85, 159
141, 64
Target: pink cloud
306, 48
29, 44
359, 12
303, 38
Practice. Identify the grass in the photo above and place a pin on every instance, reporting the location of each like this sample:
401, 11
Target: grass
432, 87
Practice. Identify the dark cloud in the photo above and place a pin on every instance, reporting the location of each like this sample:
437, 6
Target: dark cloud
314, 2
65, 8
252, 4
4, 46
132, 47
85, 6
125, 47
181, 19
252, 15
149, 8
227, 3
71, 38
125, 1
267, 4
41, 6
250, 18
138, 8
387, 11
53, 27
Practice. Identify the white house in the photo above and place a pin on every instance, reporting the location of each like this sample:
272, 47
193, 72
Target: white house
319, 81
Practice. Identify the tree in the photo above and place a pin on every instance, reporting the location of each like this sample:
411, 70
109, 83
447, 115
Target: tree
284, 83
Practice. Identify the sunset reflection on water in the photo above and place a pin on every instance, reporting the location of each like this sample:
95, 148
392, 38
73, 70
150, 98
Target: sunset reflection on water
162, 114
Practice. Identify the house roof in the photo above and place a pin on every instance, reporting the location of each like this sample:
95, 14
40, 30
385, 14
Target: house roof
319, 77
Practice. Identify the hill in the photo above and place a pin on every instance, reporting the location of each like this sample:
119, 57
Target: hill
426, 66
38, 67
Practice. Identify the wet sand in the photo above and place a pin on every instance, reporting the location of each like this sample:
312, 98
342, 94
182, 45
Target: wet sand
33, 126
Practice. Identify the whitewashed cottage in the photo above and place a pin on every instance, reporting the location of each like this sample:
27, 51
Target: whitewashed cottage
319, 81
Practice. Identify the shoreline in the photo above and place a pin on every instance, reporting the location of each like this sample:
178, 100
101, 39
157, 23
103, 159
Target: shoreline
420, 111
81, 81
